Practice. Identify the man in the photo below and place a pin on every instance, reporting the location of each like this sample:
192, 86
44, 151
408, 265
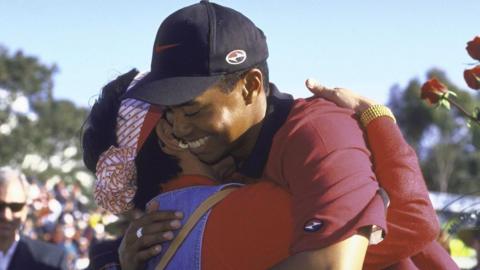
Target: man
209, 69
19, 252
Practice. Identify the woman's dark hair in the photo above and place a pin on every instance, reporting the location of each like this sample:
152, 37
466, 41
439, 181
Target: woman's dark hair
98, 134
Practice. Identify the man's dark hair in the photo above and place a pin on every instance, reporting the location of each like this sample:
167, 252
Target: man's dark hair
229, 81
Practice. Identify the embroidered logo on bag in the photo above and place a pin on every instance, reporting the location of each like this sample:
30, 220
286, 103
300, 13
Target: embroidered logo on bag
236, 57
313, 225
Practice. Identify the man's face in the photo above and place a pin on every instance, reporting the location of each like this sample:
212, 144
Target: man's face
213, 124
10, 221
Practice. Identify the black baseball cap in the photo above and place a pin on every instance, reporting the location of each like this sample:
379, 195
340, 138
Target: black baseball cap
194, 47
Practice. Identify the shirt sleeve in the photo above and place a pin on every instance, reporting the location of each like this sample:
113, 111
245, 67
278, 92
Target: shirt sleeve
411, 219
434, 256
327, 168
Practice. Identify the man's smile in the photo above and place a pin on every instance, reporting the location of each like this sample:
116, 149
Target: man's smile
193, 144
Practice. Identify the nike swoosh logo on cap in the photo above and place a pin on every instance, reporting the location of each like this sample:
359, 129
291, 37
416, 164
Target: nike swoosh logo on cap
160, 48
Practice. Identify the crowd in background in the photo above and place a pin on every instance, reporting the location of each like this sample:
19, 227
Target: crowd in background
60, 214
63, 215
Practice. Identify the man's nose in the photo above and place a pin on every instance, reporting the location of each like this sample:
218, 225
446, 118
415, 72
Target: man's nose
182, 126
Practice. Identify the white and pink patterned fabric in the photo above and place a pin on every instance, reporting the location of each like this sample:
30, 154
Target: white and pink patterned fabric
116, 173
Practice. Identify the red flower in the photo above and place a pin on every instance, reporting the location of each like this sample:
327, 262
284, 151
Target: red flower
432, 90
473, 48
472, 77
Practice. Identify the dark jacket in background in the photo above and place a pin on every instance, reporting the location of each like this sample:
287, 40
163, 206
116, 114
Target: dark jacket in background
38, 255
104, 255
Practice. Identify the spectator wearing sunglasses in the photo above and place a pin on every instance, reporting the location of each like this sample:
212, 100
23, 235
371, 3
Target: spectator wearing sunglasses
16, 251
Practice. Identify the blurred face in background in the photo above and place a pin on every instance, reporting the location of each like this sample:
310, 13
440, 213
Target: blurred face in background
13, 209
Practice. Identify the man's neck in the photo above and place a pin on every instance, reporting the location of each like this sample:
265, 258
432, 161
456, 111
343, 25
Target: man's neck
247, 144
248, 141
7, 243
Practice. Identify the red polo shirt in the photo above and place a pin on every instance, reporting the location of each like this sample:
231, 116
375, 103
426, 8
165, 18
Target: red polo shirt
253, 229
319, 155
250, 229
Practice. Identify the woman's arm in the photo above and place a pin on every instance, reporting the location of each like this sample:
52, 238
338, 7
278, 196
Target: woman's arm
412, 222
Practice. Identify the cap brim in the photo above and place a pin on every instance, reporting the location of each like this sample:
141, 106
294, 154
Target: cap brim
170, 91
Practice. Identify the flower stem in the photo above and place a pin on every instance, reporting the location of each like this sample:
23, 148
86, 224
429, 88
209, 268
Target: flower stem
463, 111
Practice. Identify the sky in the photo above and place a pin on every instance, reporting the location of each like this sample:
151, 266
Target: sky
367, 46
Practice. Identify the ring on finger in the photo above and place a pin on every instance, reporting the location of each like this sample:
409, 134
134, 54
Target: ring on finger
140, 232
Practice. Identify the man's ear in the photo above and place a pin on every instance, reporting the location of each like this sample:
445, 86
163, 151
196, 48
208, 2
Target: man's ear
252, 85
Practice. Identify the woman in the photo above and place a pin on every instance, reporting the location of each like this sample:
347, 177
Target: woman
253, 240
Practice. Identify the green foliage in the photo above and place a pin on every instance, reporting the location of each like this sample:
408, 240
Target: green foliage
448, 149
21, 73
54, 129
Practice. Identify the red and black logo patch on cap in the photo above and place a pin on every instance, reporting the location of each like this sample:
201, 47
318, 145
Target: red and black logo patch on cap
236, 57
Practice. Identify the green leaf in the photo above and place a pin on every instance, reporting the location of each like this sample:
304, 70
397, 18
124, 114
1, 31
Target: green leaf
476, 112
452, 93
444, 103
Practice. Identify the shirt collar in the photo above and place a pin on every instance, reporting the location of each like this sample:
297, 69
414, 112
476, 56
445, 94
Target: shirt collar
278, 108
10, 251
14, 245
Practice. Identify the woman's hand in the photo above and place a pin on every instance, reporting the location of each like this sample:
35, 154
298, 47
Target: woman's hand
342, 97
189, 163
156, 227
